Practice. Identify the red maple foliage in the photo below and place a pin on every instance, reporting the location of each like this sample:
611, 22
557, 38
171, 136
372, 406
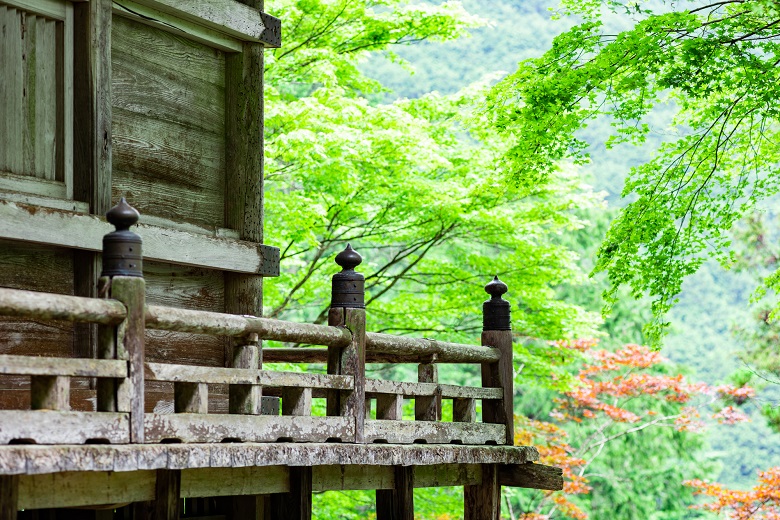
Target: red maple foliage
605, 383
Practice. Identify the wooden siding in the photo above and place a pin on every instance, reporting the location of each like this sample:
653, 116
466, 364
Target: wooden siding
31, 132
168, 124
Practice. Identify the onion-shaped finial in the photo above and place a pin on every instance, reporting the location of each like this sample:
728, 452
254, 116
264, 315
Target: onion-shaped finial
496, 288
348, 259
123, 215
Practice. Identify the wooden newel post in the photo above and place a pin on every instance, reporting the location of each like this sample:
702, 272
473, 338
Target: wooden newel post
483, 501
122, 279
497, 333
347, 309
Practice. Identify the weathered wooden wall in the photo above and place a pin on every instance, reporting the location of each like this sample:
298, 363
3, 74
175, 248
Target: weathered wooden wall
168, 124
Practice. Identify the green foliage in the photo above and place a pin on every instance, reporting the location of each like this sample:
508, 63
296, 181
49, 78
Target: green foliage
409, 184
718, 64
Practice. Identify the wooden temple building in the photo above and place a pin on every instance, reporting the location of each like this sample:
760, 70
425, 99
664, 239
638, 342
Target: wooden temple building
131, 356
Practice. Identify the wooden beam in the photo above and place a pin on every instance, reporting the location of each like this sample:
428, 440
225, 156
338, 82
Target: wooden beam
40, 459
432, 390
9, 497
405, 432
48, 366
60, 427
483, 501
397, 503
85, 232
531, 475
500, 375
296, 503
424, 349
244, 376
167, 504
235, 19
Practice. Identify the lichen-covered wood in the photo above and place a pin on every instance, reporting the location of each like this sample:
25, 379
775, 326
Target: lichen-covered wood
531, 475
403, 432
427, 350
381, 386
61, 427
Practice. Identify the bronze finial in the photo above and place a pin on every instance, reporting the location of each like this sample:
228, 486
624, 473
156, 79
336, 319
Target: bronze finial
348, 285
496, 310
122, 248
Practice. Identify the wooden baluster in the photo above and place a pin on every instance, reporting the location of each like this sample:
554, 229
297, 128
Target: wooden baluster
428, 408
246, 399
397, 503
296, 401
50, 393
464, 410
348, 310
389, 407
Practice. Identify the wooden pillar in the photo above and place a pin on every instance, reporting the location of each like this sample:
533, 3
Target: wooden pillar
9, 496
483, 501
497, 333
166, 504
397, 503
295, 504
92, 142
348, 310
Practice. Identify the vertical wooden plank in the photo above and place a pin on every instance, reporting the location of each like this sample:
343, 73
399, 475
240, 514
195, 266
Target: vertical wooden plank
46, 99
106, 349
397, 503
9, 496
244, 166
5, 94
483, 501
130, 345
500, 375
427, 408
296, 504
28, 93
167, 505
389, 407
64, 162
13, 85
296, 401
190, 398
353, 363
464, 410
91, 134
335, 319
50, 393
92, 104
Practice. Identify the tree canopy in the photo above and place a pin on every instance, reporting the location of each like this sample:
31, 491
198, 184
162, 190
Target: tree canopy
717, 64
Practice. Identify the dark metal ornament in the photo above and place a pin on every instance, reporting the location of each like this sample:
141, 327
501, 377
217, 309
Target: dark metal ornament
496, 310
122, 248
348, 286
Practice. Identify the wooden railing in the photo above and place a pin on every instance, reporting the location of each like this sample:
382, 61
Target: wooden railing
121, 371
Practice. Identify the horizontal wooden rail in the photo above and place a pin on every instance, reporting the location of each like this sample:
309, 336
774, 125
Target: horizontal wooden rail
444, 352
49, 366
244, 376
46, 306
215, 323
380, 386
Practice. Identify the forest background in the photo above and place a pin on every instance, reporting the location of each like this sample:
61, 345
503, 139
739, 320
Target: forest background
376, 135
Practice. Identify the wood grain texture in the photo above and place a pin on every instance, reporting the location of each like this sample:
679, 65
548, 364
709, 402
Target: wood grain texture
246, 398
158, 150
382, 386
92, 155
217, 482
296, 503
70, 489
422, 350
130, 346
389, 407
39, 459
167, 505
531, 475
9, 497
191, 398
197, 428
406, 432
68, 229
244, 376
398, 502
50, 393
45, 366
483, 501
464, 410
500, 375
296, 401
48, 306
428, 408
53, 427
